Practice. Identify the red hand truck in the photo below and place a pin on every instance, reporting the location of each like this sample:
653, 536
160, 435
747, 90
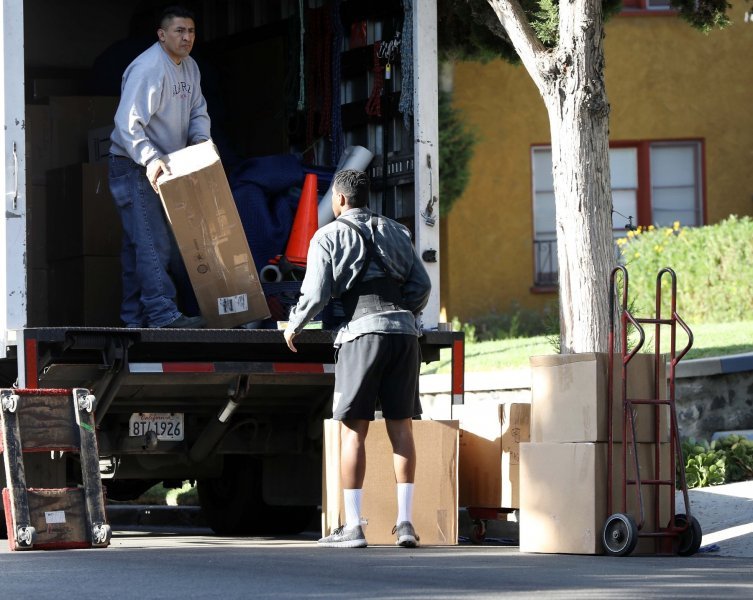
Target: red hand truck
682, 534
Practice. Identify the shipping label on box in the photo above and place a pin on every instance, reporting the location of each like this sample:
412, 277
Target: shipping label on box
202, 213
563, 495
490, 436
569, 398
435, 502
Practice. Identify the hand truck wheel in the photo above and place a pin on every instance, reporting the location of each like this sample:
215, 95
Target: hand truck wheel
688, 541
619, 536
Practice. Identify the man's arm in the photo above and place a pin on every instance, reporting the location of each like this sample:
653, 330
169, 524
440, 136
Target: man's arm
316, 291
417, 286
139, 100
199, 125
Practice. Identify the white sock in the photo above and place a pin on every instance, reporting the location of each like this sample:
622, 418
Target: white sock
404, 502
352, 507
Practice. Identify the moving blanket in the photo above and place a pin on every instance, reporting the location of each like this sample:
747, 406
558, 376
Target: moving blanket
266, 191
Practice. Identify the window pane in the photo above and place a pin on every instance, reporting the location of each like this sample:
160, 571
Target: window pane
675, 187
544, 215
623, 164
675, 204
624, 202
542, 170
672, 165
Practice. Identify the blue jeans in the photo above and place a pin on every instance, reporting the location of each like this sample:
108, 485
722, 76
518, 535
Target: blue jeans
149, 251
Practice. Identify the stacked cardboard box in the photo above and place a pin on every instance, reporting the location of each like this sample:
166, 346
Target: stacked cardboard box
564, 469
72, 222
435, 504
489, 465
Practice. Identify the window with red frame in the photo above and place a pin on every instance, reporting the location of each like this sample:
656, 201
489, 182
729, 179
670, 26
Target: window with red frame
653, 183
632, 5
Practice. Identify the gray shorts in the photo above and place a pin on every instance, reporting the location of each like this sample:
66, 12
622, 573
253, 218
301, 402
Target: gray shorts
377, 367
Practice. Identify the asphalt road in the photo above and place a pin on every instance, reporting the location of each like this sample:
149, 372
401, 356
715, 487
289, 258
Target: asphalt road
190, 563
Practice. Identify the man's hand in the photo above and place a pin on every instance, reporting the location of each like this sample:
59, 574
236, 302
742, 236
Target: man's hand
289, 335
153, 171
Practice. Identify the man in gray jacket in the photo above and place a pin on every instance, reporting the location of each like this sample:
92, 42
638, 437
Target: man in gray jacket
161, 110
370, 263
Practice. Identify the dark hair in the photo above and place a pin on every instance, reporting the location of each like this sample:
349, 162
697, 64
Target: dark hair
354, 185
174, 11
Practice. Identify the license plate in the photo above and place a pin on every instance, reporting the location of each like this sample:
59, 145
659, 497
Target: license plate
167, 426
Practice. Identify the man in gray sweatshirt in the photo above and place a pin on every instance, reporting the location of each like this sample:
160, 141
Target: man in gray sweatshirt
161, 110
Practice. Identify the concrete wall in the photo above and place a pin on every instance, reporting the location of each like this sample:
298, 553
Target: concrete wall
664, 80
711, 395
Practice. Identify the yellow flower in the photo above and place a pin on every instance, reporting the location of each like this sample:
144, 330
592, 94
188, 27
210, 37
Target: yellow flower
650, 227
668, 231
676, 225
637, 255
658, 248
631, 234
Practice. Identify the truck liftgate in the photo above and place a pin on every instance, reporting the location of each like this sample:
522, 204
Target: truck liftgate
234, 410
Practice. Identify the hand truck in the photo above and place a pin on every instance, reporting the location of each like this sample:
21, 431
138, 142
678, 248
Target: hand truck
621, 531
51, 420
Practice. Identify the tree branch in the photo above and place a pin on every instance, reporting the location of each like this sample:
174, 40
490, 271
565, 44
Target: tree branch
534, 55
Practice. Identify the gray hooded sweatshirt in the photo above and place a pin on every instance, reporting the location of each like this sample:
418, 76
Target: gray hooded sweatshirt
161, 107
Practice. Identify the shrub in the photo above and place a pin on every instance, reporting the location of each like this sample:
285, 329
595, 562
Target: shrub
714, 267
725, 460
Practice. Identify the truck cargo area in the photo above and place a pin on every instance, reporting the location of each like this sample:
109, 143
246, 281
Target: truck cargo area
232, 409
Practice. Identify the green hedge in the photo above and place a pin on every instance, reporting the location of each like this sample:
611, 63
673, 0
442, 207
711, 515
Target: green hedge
714, 267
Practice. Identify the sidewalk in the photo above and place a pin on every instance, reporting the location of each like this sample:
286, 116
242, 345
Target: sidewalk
725, 513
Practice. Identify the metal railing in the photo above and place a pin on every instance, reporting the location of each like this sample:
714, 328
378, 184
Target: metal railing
546, 272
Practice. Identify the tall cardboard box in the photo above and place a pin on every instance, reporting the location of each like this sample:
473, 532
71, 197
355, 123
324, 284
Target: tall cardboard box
86, 291
201, 210
489, 465
81, 213
569, 398
435, 502
563, 496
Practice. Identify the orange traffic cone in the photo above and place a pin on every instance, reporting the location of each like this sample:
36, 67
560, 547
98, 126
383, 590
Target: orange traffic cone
305, 224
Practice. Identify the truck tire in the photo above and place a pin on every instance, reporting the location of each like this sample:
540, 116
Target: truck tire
233, 504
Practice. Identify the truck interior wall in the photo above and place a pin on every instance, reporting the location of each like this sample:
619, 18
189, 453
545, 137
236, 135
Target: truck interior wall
247, 50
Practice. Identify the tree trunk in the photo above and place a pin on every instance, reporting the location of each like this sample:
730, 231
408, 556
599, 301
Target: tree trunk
576, 100
570, 79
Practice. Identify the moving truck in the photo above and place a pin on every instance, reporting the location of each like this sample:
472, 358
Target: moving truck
232, 409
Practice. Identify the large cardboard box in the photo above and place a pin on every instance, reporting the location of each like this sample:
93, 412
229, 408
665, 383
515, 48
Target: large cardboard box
435, 502
569, 398
201, 210
86, 291
57, 133
82, 219
563, 496
489, 465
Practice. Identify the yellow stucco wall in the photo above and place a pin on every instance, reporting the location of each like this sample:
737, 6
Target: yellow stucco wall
664, 80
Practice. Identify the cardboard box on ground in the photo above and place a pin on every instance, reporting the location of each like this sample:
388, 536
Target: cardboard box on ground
203, 215
489, 465
563, 495
569, 392
435, 503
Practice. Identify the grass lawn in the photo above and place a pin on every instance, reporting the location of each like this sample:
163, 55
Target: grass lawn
710, 339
